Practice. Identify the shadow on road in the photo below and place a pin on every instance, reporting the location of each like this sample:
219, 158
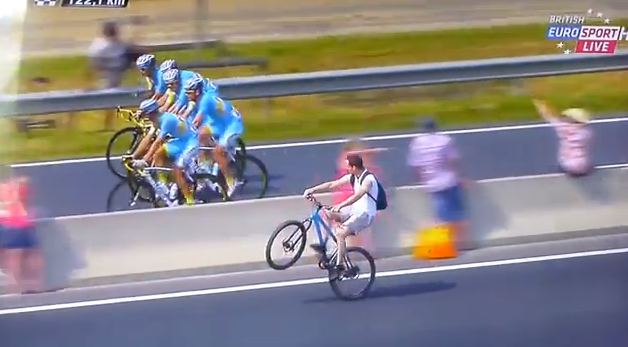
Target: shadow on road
399, 291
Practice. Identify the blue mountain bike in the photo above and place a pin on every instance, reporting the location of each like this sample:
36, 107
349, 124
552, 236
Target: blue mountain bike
296, 240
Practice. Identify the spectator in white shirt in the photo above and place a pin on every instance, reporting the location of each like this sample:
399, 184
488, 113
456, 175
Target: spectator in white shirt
574, 136
435, 159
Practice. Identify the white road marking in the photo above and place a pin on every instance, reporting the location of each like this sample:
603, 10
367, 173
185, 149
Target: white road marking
285, 284
337, 141
621, 166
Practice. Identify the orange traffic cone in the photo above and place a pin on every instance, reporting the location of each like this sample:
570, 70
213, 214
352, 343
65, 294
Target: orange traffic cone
435, 243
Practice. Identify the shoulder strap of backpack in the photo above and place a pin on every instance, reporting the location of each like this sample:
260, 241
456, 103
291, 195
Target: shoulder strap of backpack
362, 180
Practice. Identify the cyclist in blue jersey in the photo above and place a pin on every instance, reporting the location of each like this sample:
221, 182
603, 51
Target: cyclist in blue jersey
177, 141
147, 65
175, 79
216, 116
158, 88
184, 107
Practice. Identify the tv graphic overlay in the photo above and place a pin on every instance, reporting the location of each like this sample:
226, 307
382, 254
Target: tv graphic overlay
84, 3
590, 33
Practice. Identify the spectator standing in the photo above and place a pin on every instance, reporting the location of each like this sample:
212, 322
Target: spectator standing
23, 261
434, 158
356, 147
574, 136
109, 58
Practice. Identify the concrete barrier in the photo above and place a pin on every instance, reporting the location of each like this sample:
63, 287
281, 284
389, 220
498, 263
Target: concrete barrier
503, 211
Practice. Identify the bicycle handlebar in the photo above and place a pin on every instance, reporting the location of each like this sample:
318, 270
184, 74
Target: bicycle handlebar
317, 203
130, 116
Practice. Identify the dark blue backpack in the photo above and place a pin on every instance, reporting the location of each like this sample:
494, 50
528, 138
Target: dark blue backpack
382, 201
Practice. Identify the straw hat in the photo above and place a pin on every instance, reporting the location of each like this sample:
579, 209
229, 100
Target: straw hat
577, 114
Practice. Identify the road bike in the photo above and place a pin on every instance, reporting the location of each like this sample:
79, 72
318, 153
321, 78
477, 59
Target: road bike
140, 128
240, 161
295, 244
142, 183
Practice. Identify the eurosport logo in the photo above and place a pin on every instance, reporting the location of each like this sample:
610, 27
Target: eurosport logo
590, 33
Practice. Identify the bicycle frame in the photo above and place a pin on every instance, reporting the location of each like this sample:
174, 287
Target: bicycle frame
317, 220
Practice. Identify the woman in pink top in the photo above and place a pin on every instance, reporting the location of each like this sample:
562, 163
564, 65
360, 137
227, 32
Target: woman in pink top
22, 260
344, 192
574, 137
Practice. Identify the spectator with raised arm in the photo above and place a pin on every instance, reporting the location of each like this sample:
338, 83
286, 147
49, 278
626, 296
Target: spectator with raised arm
574, 138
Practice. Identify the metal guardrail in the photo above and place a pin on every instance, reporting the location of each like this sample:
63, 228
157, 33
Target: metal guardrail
333, 81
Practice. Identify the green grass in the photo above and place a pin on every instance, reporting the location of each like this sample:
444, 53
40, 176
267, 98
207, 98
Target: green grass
361, 112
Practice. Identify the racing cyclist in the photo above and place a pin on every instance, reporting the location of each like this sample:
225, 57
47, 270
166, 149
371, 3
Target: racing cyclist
158, 88
184, 107
175, 79
153, 77
176, 141
216, 116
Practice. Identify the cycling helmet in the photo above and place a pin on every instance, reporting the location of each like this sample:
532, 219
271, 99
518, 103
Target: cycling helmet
145, 61
171, 76
194, 84
148, 106
167, 65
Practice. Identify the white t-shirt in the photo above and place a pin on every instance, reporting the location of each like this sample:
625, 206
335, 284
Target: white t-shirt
432, 155
365, 204
109, 57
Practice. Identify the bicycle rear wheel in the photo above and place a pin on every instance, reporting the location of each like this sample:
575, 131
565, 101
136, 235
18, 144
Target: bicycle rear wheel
113, 146
294, 242
355, 273
253, 178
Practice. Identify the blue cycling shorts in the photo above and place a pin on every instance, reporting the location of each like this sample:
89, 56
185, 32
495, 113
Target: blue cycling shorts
182, 152
229, 138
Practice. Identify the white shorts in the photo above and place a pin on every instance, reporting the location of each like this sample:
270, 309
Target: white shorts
355, 223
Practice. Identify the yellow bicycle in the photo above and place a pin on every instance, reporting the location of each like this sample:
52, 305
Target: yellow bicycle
142, 183
139, 128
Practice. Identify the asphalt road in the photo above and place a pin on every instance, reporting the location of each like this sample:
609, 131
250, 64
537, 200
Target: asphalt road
83, 187
575, 302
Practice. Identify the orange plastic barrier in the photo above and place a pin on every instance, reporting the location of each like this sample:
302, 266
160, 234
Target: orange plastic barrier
435, 243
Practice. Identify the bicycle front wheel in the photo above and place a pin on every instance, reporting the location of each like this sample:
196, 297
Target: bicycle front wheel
356, 282
123, 141
292, 243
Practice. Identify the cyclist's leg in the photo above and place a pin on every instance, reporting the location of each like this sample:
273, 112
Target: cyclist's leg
144, 144
349, 227
330, 218
204, 139
227, 143
170, 151
183, 163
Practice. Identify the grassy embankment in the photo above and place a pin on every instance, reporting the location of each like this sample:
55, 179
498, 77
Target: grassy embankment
356, 113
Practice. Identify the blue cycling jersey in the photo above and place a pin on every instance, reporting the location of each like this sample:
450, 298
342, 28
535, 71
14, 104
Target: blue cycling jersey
217, 113
175, 127
183, 100
184, 76
155, 83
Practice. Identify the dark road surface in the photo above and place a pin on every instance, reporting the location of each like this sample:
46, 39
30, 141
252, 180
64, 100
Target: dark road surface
82, 187
573, 302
